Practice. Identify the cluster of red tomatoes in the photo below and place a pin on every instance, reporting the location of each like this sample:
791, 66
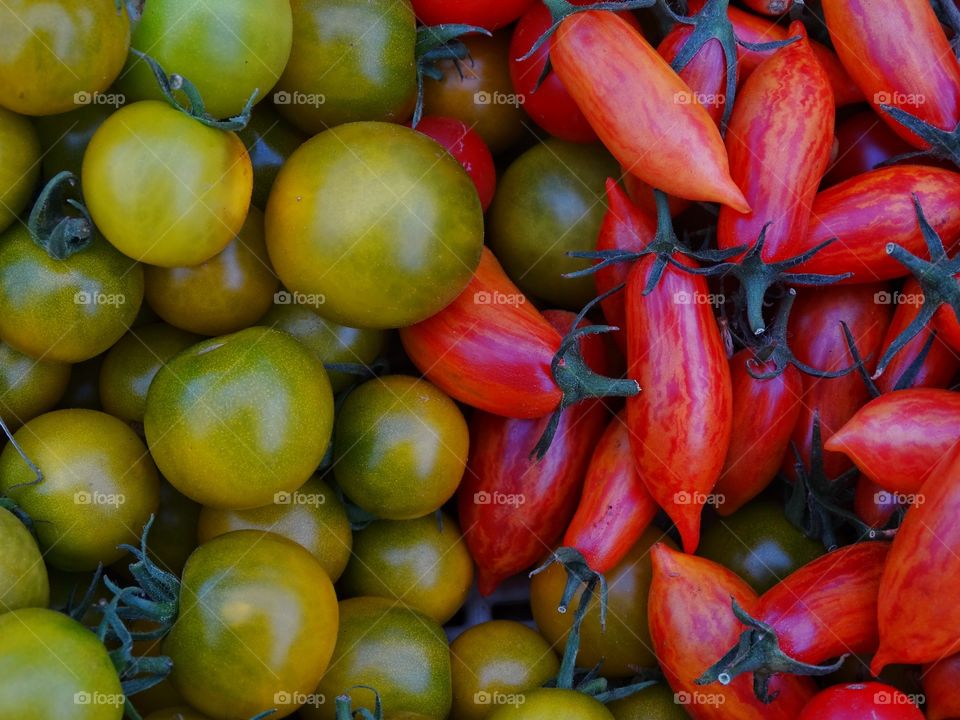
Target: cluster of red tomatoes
322, 320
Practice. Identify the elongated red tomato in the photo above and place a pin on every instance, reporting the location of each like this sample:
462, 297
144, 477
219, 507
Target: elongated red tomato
765, 413
898, 438
490, 348
897, 53
940, 682
817, 339
829, 606
615, 507
680, 422
861, 701
705, 74
638, 107
850, 212
873, 504
691, 622
864, 141
778, 142
918, 610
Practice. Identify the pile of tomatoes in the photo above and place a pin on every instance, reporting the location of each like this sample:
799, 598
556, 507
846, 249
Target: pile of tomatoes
323, 320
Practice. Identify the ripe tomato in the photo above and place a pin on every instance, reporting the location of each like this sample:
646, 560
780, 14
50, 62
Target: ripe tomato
400, 447
496, 659
424, 563
28, 387
550, 703
466, 145
311, 516
548, 206
861, 701
65, 310
940, 686
228, 292
267, 615
23, 576
705, 74
130, 366
59, 54
367, 52
164, 188
470, 12
99, 486
269, 140
376, 222
20, 170
236, 419
398, 651
769, 7
226, 48
37, 682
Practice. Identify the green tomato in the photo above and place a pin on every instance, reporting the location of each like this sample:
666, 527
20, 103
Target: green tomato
227, 48
54, 667
549, 202
23, 576
19, 165
366, 51
28, 387
98, 490
256, 629
377, 222
550, 704
400, 447
269, 140
656, 702
234, 420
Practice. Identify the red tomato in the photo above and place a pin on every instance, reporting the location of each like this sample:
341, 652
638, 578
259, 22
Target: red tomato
897, 53
897, 439
861, 701
948, 327
680, 422
864, 141
764, 415
873, 504
769, 7
778, 142
468, 148
705, 74
482, 13
691, 621
940, 682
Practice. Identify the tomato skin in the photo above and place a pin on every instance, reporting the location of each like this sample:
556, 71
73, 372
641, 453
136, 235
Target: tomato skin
615, 507
872, 504
492, 356
269, 140
234, 647
656, 702
683, 416
549, 703
861, 701
940, 681
765, 412
20, 170
193, 182
817, 339
35, 682
606, 66
829, 606
897, 53
864, 141
469, 149
778, 142
23, 576
769, 7
898, 438
28, 387
948, 327
918, 611
59, 52
705, 74
470, 12
691, 621
176, 713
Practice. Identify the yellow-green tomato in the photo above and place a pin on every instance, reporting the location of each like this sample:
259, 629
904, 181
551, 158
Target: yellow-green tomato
181, 712
366, 50
53, 667
65, 310
656, 702
164, 188
130, 366
23, 576
398, 651
551, 704
256, 629
28, 387
56, 54
99, 486
227, 48
19, 163
423, 563
234, 420
333, 344
311, 516
378, 222
269, 140
228, 292
495, 661
400, 447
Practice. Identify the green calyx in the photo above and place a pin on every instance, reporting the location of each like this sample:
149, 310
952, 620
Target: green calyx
944, 144
758, 652
59, 222
344, 706
434, 44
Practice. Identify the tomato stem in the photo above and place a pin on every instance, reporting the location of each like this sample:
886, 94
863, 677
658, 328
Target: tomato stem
436, 43
59, 222
344, 706
944, 144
